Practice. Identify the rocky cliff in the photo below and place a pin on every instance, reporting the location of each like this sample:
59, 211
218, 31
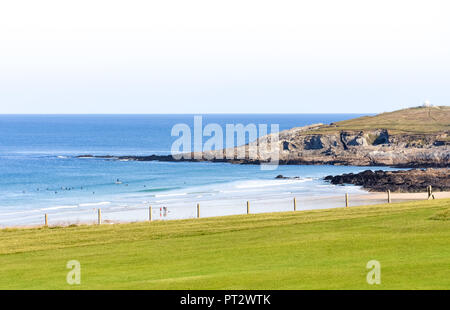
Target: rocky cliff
416, 137
361, 148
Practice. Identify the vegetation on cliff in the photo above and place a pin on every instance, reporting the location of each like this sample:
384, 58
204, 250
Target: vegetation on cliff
419, 120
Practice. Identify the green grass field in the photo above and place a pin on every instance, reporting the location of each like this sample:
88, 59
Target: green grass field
418, 120
322, 249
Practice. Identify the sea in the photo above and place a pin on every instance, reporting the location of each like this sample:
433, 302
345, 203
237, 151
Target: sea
41, 174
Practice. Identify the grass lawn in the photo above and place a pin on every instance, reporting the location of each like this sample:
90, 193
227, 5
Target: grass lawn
321, 249
407, 121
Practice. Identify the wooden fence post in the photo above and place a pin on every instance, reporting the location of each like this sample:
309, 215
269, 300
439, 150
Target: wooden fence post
198, 210
46, 220
99, 217
430, 192
295, 204
150, 213
346, 200
248, 207
389, 196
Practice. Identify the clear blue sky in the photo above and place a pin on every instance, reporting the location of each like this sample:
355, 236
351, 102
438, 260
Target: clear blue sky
242, 56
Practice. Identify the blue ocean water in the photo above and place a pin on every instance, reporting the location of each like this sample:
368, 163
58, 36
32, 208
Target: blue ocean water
40, 174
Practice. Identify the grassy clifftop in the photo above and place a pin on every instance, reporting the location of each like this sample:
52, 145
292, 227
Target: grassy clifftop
419, 120
319, 249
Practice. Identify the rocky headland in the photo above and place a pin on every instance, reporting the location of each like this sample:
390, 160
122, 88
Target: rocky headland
416, 138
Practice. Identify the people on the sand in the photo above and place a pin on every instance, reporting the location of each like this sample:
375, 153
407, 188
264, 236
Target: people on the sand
166, 211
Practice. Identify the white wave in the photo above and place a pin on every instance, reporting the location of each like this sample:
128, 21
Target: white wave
59, 207
269, 183
55, 208
19, 212
94, 204
170, 195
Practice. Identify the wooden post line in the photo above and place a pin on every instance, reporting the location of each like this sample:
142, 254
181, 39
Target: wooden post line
150, 209
99, 216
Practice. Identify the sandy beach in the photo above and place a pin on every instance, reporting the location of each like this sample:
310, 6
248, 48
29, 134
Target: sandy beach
370, 198
236, 207
399, 197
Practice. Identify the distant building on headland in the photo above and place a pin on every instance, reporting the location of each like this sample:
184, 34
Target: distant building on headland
427, 104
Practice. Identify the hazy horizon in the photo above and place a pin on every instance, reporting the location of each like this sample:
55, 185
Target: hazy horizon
137, 114
204, 57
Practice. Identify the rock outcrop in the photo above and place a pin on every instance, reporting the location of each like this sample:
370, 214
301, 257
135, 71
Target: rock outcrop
360, 148
416, 180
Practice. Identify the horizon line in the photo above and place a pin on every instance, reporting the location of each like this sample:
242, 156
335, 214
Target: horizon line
217, 113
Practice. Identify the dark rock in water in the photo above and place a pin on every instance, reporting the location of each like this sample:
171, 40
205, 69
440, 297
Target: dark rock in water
415, 180
85, 156
280, 176
136, 158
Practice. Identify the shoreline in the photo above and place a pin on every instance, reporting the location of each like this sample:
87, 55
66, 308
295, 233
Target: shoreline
312, 203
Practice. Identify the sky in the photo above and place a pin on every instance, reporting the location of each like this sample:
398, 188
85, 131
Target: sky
206, 56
